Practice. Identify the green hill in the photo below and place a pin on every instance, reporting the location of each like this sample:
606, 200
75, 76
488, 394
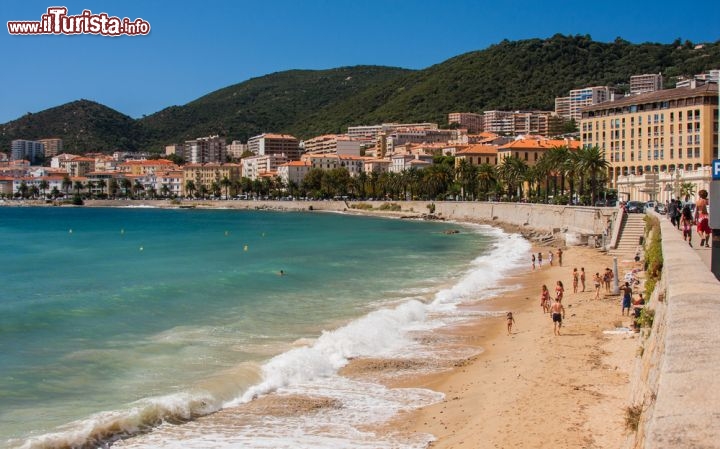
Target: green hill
510, 75
83, 125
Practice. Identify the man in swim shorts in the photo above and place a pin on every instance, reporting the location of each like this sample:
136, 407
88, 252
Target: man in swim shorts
558, 313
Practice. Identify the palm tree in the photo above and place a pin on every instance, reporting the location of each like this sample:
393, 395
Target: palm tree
190, 187
225, 183
102, 184
113, 187
487, 178
34, 191
66, 184
591, 162
436, 179
466, 175
137, 187
687, 189
23, 189
512, 172
78, 185
44, 186
165, 190
126, 184
54, 193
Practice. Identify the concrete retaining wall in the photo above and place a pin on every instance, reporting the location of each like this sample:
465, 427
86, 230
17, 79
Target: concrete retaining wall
676, 382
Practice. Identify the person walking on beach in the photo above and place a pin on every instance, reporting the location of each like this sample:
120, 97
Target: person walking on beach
550, 257
545, 299
582, 278
607, 278
558, 313
702, 219
533, 261
510, 322
539, 258
576, 279
559, 291
627, 298
597, 280
560, 251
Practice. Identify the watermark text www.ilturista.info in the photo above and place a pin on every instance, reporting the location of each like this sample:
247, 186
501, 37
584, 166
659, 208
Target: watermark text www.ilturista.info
57, 21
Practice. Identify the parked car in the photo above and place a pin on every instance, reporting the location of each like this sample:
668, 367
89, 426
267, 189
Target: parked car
635, 207
650, 205
661, 209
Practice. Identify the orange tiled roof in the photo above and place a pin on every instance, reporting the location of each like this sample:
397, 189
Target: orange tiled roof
539, 144
478, 149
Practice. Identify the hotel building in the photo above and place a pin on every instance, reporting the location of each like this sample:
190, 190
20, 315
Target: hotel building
30, 150
469, 120
656, 132
205, 150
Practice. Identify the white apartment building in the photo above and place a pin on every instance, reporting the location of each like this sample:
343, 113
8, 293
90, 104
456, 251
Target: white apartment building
235, 149
649, 82
401, 162
254, 167
30, 150
333, 144
293, 171
570, 107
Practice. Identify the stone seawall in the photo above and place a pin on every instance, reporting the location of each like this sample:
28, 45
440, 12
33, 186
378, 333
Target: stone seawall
675, 384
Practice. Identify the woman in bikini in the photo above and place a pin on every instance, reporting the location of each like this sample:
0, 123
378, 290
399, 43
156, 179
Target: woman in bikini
559, 291
545, 299
702, 219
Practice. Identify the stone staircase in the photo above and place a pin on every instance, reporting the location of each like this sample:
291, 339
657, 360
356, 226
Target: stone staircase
633, 228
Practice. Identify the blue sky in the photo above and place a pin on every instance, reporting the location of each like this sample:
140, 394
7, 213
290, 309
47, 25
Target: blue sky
197, 47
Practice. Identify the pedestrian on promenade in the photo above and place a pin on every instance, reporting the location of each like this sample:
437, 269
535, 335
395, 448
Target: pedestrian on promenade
702, 219
686, 221
672, 212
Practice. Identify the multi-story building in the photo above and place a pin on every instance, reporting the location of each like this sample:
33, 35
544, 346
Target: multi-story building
713, 76
649, 82
372, 131
474, 123
204, 175
254, 167
176, 148
477, 154
79, 166
499, 122
30, 150
401, 162
236, 149
402, 136
531, 122
531, 149
205, 150
333, 144
275, 144
570, 107
53, 146
146, 166
656, 132
293, 171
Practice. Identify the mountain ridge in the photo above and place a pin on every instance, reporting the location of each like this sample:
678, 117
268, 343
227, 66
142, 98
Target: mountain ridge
509, 75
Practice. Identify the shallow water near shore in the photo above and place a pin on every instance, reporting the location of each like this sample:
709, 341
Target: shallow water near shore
113, 321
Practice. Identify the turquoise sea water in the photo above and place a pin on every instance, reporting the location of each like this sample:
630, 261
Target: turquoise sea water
122, 318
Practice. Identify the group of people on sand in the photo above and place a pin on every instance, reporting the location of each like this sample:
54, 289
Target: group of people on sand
554, 307
550, 256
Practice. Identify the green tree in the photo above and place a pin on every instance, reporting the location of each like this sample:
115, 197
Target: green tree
126, 185
190, 188
592, 163
66, 184
44, 186
687, 189
225, 183
113, 187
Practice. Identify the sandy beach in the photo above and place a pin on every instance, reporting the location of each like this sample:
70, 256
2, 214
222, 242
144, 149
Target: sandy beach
532, 389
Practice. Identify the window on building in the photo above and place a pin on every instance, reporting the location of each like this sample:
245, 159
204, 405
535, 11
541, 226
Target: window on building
680, 116
672, 153
697, 114
672, 117
697, 152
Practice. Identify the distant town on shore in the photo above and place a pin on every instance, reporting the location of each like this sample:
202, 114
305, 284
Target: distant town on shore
598, 145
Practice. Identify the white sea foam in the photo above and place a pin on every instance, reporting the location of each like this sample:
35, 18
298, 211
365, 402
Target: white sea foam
310, 370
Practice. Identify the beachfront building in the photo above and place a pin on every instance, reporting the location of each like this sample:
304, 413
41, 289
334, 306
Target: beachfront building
477, 154
404, 136
209, 175
401, 162
376, 166
474, 123
31, 150
655, 133
293, 171
78, 166
255, 167
570, 107
531, 149
649, 82
146, 166
372, 131
269, 144
205, 150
